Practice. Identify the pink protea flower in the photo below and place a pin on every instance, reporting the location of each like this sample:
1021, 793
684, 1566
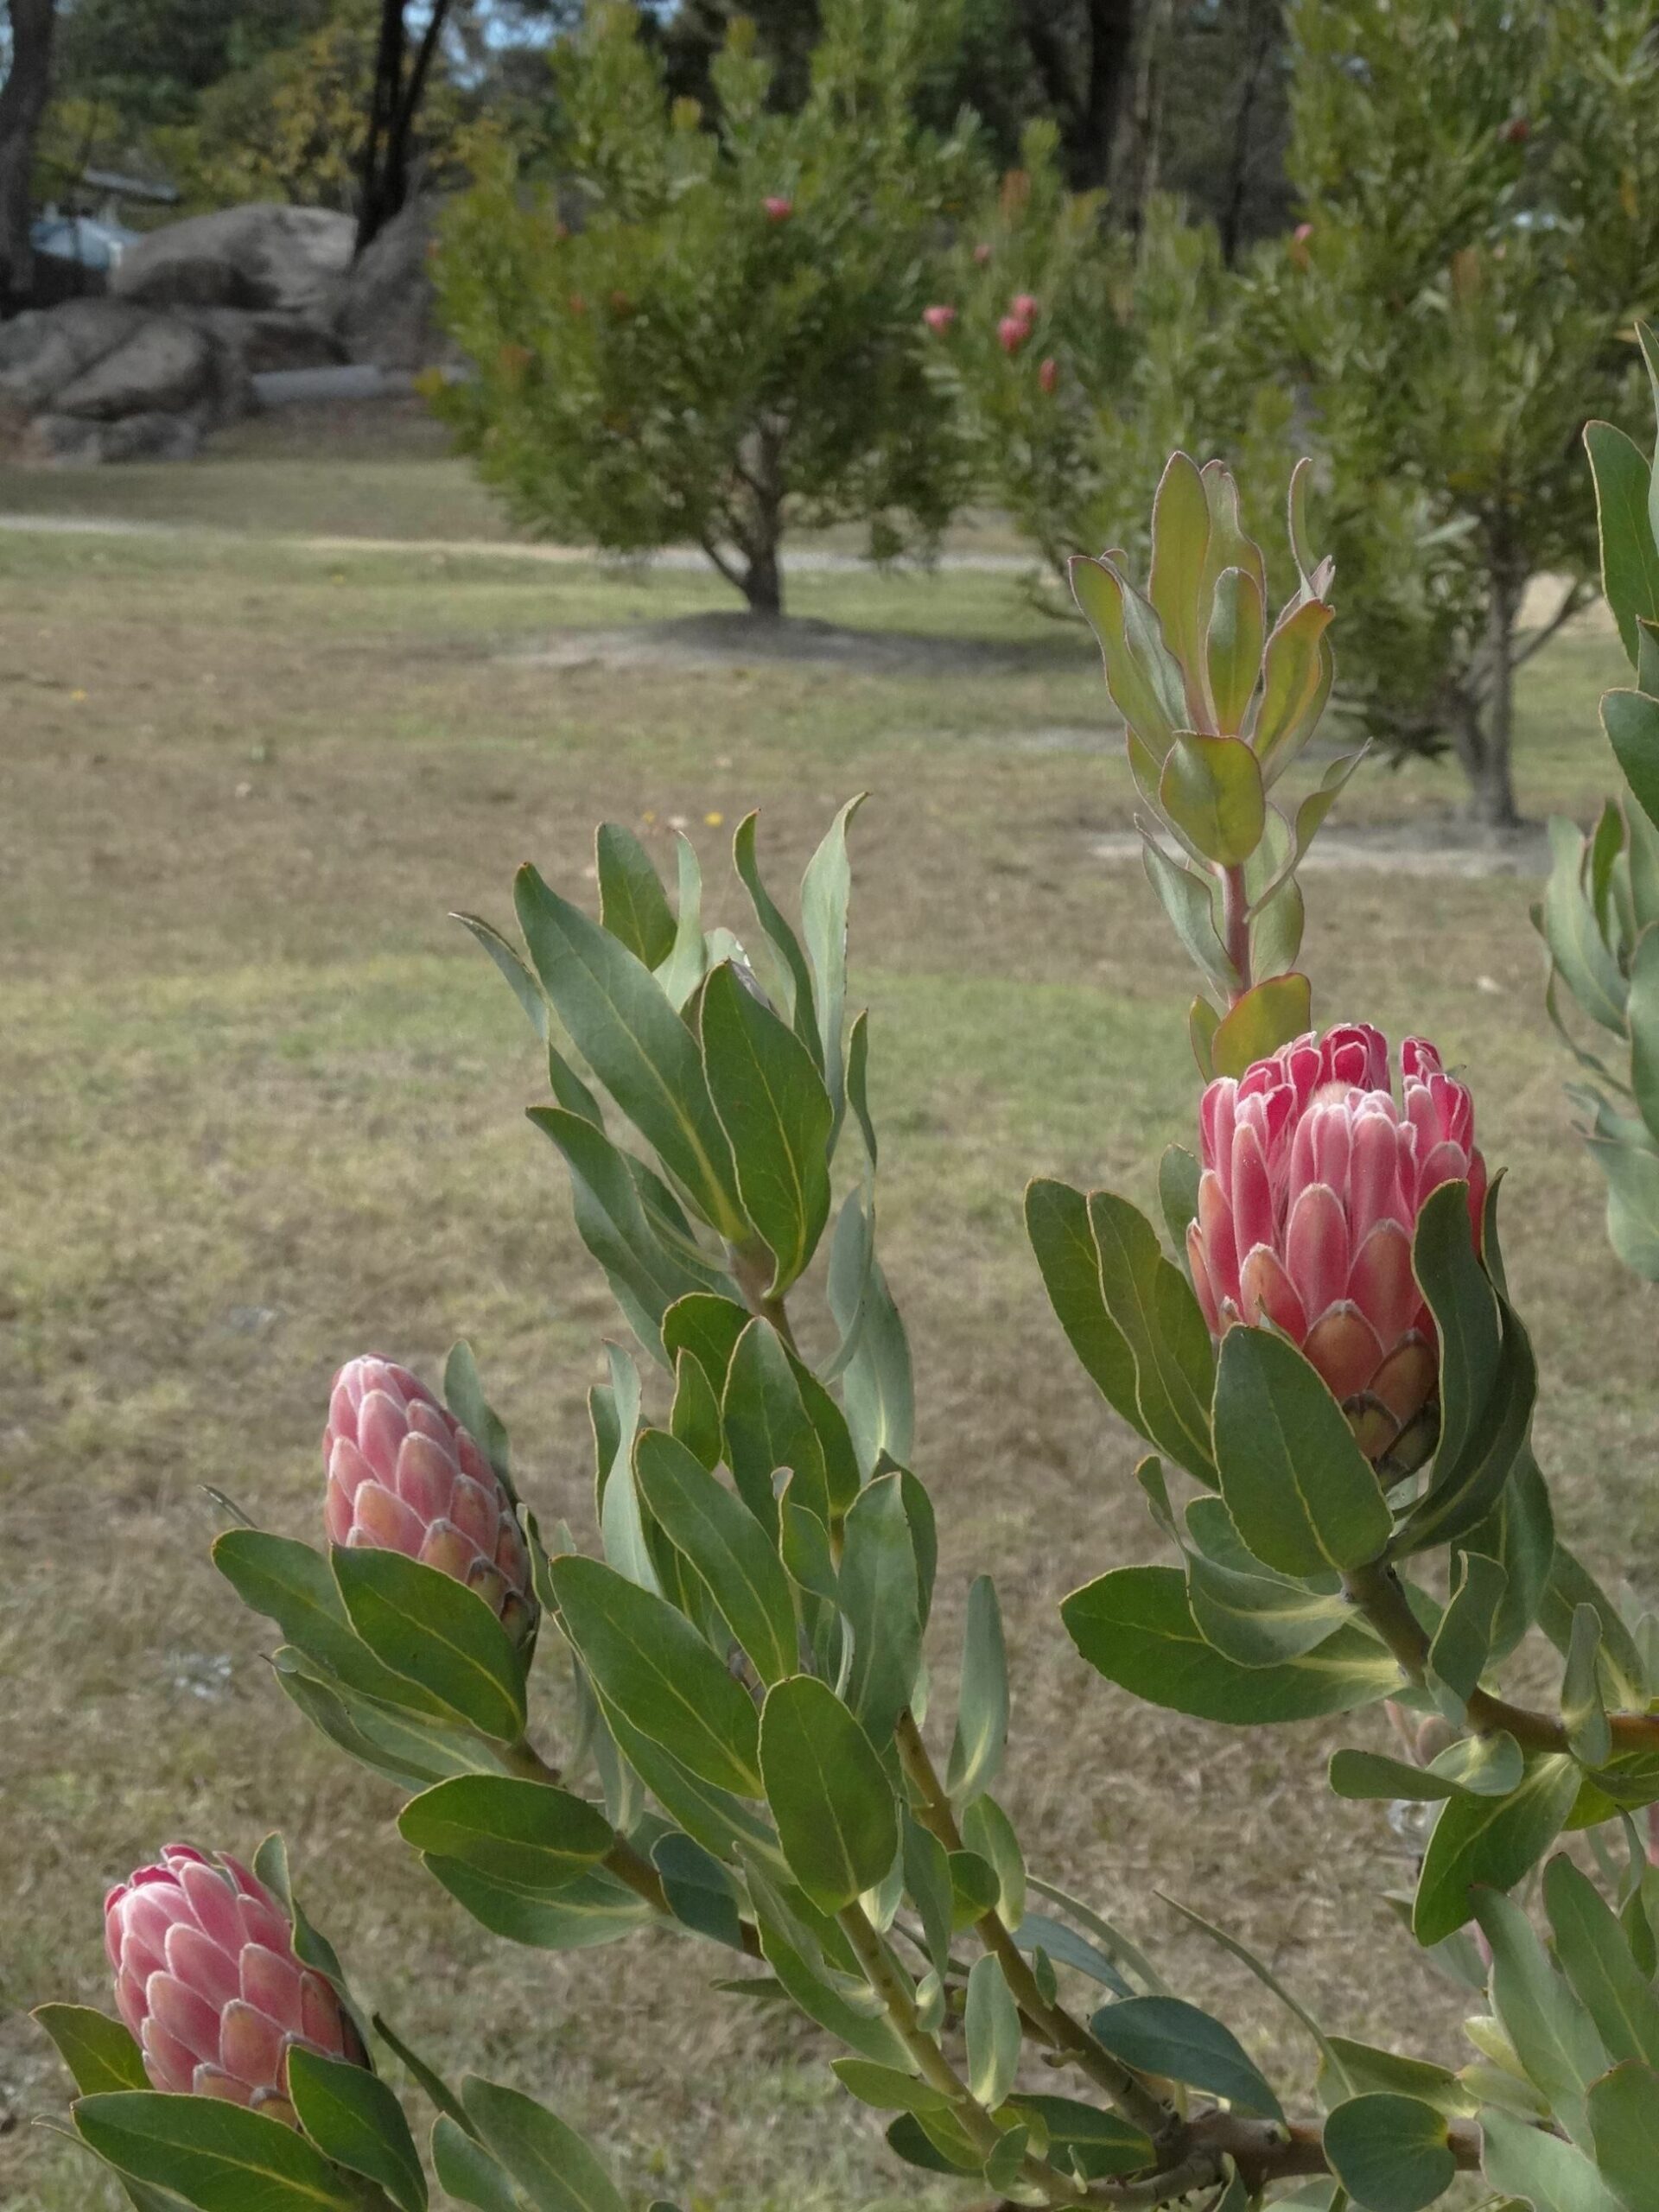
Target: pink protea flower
939, 319
1024, 306
1012, 334
778, 209
206, 1981
1048, 376
981, 255
1313, 1180
405, 1476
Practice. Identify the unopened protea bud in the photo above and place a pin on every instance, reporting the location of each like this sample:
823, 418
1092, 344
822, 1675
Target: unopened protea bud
1012, 334
206, 1980
939, 319
982, 254
405, 1476
1314, 1178
1048, 376
778, 209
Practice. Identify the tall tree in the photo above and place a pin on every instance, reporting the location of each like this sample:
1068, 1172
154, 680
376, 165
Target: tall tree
22, 102
402, 66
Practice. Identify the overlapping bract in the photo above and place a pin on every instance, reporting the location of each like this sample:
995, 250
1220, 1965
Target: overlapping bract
206, 1980
1314, 1178
405, 1476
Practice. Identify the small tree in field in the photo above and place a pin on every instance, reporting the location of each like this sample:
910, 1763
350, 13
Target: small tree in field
729, 336
1480, 190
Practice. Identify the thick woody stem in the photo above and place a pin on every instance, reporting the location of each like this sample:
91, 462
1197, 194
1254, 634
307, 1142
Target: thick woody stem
1133, 2097
1237, 926
1378, 1592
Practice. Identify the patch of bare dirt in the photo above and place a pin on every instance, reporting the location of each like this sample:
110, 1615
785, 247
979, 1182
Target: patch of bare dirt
731, 638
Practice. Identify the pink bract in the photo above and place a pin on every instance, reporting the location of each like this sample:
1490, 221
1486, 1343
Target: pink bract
206, 1980
1313, 1180
405, 1476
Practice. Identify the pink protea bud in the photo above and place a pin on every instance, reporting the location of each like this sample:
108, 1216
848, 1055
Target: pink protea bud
1313, 1180
1048, 376
938, 319
206, 1980
981, 255
1299, 239
1012, 334
405, 1476
779, 208
1024, 306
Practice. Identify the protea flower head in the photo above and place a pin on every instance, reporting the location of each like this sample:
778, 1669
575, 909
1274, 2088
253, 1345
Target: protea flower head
1012, 334
1048, 376
405, 1476
938, 319
206, 1980
779, 208
1313, 1180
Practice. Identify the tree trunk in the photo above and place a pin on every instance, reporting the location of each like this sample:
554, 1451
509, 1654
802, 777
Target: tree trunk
763, 582
1135, 169
22, 102
1088, 103
1494, 797
393, 105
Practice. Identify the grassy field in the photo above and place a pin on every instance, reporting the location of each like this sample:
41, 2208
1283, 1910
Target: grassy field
263, 1110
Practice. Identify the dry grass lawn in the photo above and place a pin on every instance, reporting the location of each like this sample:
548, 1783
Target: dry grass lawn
263, 1110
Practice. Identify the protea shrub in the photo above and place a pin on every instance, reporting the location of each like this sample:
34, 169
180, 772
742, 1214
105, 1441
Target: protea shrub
208, 1982
1313, 1176
405, 1476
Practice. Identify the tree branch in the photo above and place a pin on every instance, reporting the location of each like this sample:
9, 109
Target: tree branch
1571, 600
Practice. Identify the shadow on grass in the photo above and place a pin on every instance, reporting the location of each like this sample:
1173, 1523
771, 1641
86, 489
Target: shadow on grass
731, 638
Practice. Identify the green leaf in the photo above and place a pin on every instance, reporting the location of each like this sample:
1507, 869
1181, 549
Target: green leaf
1268, 1015
694, 1419
1296, 673
215, 2154
981, 1731
409, 1747
1642, 1010
881, 1596
1519, 1532
650, 1663
1185, 895
353, 2119
98, 2052
833, 1805
646, 1274
876, 1384
466, 2171
1103, 2144
1142, 676
1491, 1841
927, 1883
616, 1414
1366, 2069
988, 1832
825, 889
1625, 2119
556, 2169
728, 1549
1177, 1192
1570, 1585
1487, 1766
633, 905
1565, 916
431, 2082
1301, 1493
1620, 1149
463, 1393
1595, 1955
1630, 558
1056, 1222
975, 1888
1551, 2175
807, 1987
1390, 2152
702, 1895
768, 1427
1238, 629
1374, 1777
1258, 1618
1550, 2029
436, 1632
291, 1584
1462, 1644
774, 1107
634, 1042
1582, 1714
1153, 1307
912, 2139
1462, 1492
992, 2025
596, 1908
1465, 1305
682, 970
802, 1008
1210, 789
531, 1834
1165, 2035
885, 2088
708, 1326
1180, 539
1134, 1626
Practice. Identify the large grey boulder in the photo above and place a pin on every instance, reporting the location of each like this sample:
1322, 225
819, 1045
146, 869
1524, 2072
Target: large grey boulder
264, 340
265, 256
113, 364
388, 313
